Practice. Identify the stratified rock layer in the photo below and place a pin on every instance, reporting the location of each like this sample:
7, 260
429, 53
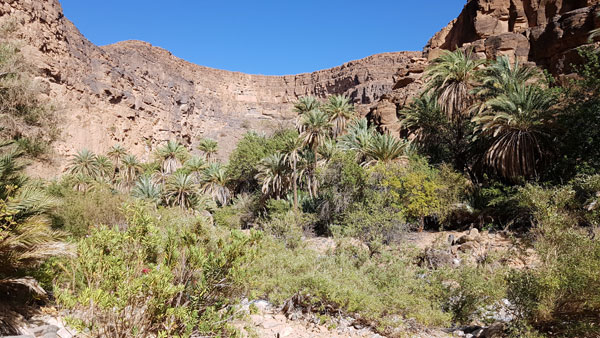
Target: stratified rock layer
139, 95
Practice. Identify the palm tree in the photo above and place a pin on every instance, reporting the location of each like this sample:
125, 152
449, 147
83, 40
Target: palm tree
516, 124
195, 166
26, 236
314, 128
105, 166
145, 188
358, 138
340, 111
116, 153
209, 147
422, 117
328, 149
81, 182
131, 170
293, 146
273, 175
84, 163
214, 183
452, 76
306, 104
385, 148
181, 190
171, 156
10, 169
502, 77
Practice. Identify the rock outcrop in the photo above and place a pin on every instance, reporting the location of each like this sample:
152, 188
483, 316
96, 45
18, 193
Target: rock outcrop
140, 95
546, 33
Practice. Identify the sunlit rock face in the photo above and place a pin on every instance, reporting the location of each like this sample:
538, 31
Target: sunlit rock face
139, 95
545, 33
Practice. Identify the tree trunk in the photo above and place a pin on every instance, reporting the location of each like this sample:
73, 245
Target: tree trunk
295, 184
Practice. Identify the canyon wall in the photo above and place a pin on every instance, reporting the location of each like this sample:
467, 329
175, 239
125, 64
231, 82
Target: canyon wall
545, 33
139, 95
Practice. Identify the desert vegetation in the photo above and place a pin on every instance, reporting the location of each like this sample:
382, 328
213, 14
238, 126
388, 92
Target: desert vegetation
169, 246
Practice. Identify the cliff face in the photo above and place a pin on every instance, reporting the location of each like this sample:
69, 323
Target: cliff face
546, 33
139, 95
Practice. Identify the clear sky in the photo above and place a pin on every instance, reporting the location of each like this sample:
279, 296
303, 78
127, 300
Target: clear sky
266, 37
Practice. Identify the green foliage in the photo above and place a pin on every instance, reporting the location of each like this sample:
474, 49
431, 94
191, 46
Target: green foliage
468, 292
154, 280
26, 236
561, 293
79, 213
377, 289
343, 185
250, 150
578, 123
421, 191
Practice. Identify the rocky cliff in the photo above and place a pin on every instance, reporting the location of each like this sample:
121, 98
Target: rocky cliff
139, 95
546, 33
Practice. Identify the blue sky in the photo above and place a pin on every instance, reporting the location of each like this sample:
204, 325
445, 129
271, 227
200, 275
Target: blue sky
265, 37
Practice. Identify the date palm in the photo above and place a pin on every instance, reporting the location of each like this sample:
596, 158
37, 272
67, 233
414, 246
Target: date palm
516, 125
145, 188
209, 147
422, 117
26, 235
11, 169
306, 104
314, 128
293, 147
116, 154
340, 111
273, 174
195, 166
451, 77
214, 183
502, 77
358, 138
181, 190
132, 168
84, 163
385, 148
105, 166
171, 155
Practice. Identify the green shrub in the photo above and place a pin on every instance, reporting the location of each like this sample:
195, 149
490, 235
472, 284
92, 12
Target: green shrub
288, 227
79, 212
147, 280
562, 293
384, 289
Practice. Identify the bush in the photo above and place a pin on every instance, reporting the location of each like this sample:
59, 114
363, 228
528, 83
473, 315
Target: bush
80, 212
420, 191
381, 290
562, 293
146, 280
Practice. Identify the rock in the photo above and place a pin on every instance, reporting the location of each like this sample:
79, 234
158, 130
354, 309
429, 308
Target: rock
477, 333
286, 332
495, 330
132, 91
473, 232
